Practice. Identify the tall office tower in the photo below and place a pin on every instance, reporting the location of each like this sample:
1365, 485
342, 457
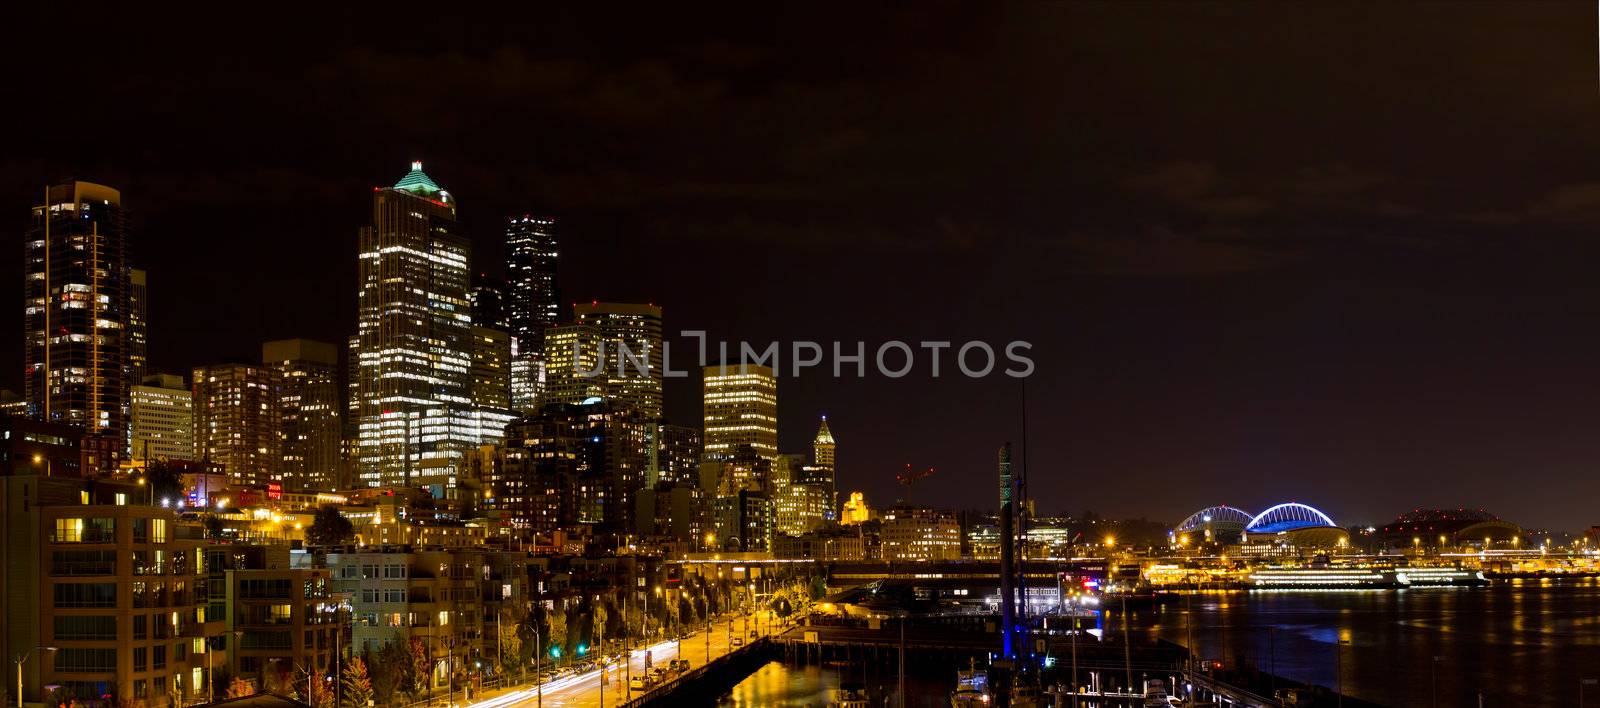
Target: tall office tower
238, 421
626, 340
821, 471
571, 366
612, 352
413, 339
491, 368
533, 300
138, 326
488, 302
822, 448
161, 417
75, 310
741, 408
310, 402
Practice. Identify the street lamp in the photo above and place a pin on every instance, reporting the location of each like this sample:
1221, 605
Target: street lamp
23, 657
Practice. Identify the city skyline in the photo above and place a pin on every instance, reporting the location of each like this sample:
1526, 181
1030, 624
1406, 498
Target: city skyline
1292, 287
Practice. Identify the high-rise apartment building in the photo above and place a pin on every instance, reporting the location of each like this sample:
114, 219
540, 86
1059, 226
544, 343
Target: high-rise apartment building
161, 418
309, 410
138, 325
491, 368
105, 596
533, 302
741, 408
612, 351
414, 339
238, 421
75, 310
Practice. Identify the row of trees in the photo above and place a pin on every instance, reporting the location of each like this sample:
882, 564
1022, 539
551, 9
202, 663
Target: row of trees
403, 671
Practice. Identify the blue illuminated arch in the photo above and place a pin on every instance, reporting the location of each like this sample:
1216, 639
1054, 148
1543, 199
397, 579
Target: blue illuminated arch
1220, 514
1287, 517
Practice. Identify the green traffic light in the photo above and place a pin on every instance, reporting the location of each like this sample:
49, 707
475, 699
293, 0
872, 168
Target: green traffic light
555, 652
582, 649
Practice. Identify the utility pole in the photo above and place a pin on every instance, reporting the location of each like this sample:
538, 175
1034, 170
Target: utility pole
1075, 651
1127, 649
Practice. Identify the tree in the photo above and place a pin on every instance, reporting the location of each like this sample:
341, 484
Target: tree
388, 670
330, 528
165, 480
312, 688
213, 525
357, 685
419, 667
277, 678
240, 688
510, 648
558, 631
600, 615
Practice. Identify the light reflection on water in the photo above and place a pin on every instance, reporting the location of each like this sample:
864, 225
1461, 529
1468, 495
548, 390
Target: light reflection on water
796, 686
1519, 643
1523, 643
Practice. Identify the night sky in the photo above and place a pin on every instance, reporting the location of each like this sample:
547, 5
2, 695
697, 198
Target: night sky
1341, 254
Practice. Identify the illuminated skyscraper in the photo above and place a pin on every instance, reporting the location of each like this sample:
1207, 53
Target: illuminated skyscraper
741, 408
533, 300
820, 473
161, 418
309, 405
75, 310
138, 326
612, 352
491, 368
414, 339
822, 448
238, 421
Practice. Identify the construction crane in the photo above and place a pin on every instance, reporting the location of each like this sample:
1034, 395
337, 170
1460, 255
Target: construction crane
910, 477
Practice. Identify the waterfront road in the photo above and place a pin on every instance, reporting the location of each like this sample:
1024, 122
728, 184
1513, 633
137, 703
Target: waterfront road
586, 690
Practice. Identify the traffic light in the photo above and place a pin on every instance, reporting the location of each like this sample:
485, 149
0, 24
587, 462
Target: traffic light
582, 649
555, 652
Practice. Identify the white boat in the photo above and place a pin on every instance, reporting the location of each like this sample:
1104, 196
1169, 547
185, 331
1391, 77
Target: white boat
1323, 579
1155, 695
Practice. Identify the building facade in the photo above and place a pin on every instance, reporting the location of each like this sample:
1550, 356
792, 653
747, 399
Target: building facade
741, 408
309, 412
401, 593
919, 534
76, 312
238, 421
138, 325
612, 351
161, 418
413, 344
533, 300
123, 602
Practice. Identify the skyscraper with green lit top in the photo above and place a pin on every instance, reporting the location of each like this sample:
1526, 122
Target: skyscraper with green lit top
413, 342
